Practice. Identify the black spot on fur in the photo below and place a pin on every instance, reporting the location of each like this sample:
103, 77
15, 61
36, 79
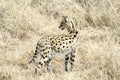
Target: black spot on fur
58, 50
45, 52
58, 47
34, 56
44, 61
52, 41
48, 61
71, 32
76, 32
43, 57
73, 55
43, 49
72, 60
71, 63
35, 52
74, 35
67, 58
37, 47
40, 63
66, 38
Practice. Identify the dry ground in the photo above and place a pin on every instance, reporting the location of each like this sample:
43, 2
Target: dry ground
98, 53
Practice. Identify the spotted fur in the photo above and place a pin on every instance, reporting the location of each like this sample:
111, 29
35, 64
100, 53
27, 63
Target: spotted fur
49, 46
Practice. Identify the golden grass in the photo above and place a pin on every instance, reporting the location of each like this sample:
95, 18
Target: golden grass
98, 22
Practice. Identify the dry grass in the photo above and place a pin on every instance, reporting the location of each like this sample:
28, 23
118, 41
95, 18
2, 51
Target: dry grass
98, 53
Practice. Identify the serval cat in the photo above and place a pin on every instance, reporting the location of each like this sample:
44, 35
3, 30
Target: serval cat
48, 46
